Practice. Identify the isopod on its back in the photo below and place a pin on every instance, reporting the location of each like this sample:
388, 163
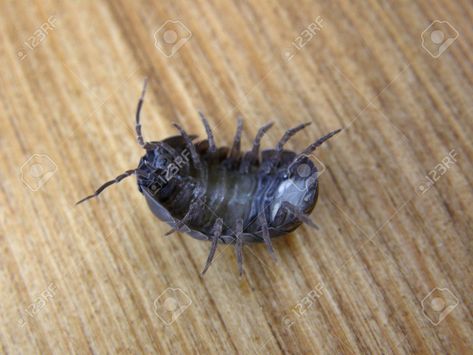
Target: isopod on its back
221, 194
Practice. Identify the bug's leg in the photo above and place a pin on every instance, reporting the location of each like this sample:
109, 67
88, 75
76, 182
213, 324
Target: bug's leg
265, 231
288, 135
107, 184
239, 245
284, 139
217, 232
212, 146
259, 135
190, 146
319, 142
235, 151
252, 155
298, 214
139, 135
194, 210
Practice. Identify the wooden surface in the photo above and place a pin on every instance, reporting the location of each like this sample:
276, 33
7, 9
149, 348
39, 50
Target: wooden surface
94, 278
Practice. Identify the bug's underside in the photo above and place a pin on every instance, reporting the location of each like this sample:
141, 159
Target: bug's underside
222, 194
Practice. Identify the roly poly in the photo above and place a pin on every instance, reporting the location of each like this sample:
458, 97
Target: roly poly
221, 194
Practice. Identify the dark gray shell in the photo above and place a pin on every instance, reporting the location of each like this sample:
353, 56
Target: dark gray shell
221, 194
266, 191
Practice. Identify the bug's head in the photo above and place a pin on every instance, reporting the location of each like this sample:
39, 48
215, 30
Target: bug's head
161, 166
161, 159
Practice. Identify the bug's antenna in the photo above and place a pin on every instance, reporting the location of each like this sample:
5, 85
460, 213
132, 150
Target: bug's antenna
139, 135
107, 184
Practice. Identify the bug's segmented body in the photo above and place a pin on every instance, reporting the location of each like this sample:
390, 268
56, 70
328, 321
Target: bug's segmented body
219, 190
223, 195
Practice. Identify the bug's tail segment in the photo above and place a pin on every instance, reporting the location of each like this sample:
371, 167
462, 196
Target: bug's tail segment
253, 154
217, 232
107, 184
319, 142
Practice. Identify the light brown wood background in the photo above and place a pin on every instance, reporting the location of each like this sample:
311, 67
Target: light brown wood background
85, 279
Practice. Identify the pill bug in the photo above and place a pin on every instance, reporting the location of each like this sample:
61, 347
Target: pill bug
223, 195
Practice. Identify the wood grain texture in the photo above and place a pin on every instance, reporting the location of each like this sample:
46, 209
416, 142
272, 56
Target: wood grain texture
86, 279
